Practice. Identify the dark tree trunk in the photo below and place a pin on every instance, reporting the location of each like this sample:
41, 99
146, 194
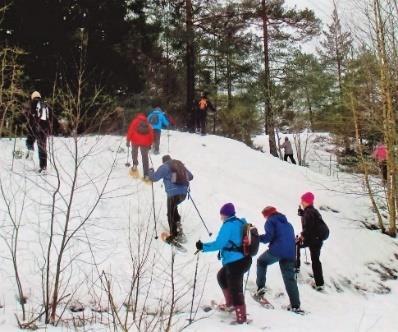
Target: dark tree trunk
269, 118
190, 63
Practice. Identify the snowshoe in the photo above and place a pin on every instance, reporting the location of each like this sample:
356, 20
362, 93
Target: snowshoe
169, 239
294, 310
259, 296
219, 307
133, 172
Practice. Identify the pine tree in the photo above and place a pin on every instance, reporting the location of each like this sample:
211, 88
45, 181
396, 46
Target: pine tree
279, 24
336, 47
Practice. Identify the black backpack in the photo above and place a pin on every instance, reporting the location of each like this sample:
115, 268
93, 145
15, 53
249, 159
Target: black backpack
321, 229
179, 174
154, 119
143, 127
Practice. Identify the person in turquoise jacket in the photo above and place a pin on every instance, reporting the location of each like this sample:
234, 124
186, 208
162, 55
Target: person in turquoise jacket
158, 121
235, 263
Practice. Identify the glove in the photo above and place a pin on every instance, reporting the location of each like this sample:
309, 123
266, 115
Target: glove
299, 239
300, 211
199, 245
127, 143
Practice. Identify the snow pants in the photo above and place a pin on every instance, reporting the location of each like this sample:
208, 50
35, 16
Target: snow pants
289, 156
231, 277
383, 169
315, 251
156, 140
144, 155
40, 136
288, 274
201, 121
173, 216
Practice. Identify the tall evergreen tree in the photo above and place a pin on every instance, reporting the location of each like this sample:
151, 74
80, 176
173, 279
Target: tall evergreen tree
336, 47
279, 24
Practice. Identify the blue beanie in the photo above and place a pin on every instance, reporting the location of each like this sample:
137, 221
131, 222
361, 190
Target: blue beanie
228, 210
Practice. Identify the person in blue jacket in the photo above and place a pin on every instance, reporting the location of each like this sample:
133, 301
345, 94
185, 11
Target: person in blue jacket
176, 194
158, 120
279, 234
235, 263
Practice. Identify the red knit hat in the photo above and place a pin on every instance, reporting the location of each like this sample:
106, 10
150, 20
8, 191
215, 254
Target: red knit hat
308, 198
268, 211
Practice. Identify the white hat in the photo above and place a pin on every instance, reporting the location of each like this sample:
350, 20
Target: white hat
35, 94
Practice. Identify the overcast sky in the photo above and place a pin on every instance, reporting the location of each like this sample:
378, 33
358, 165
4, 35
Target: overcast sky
351, 14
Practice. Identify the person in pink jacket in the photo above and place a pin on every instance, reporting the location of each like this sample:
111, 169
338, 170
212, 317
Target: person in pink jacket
380, 155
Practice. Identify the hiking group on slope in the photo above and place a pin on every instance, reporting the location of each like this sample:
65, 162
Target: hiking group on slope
282, 248
144, 133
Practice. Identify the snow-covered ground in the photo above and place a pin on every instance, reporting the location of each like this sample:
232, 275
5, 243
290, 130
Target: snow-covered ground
224, 171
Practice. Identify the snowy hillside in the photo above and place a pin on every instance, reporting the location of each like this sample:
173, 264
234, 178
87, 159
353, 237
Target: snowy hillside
111, 238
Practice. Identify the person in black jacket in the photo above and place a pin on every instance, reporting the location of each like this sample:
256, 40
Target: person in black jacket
312, 236
40, 125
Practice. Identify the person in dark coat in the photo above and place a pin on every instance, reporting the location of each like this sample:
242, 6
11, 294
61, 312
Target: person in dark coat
279, 234
235, 263
311, 220
140, 134
203, 106
176, 194
40, 124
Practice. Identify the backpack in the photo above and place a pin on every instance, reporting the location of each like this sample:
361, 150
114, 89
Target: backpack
154, 119
250, 241
143, 127
323, 230
179, 174
202, 104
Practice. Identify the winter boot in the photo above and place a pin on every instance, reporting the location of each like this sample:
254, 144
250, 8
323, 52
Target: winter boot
240, 311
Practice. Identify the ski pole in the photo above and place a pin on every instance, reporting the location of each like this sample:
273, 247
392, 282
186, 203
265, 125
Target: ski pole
168, 141
194, 289
154, 211
153, 202
197, 210
127, 164
306, 258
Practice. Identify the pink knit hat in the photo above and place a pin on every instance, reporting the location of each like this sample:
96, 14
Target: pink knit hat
308, 198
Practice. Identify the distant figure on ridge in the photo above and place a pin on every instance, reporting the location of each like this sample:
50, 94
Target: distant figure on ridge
380, 155
287, 146
40, 124
140, 134
158, 120
203, 106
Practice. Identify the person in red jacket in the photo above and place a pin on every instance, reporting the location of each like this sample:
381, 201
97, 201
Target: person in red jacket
140, 134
